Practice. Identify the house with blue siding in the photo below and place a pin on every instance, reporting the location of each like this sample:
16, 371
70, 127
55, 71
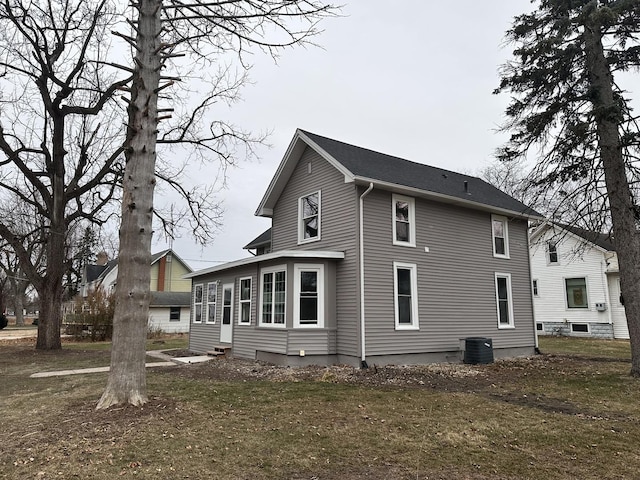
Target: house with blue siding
371, 259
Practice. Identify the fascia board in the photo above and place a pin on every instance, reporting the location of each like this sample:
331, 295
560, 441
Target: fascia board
579, 238
444, 198
319, 254
286, 167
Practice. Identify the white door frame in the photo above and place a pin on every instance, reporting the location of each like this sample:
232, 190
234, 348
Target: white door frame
226, 320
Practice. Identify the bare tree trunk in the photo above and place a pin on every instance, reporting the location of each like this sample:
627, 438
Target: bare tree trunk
626, 237
50, 289
18, 302
127, 378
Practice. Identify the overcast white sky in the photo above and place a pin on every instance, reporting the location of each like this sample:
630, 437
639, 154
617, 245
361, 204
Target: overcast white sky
411, 78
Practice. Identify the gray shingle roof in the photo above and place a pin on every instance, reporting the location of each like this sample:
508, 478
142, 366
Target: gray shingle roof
261, 240
602, 240
170, 299
368, 164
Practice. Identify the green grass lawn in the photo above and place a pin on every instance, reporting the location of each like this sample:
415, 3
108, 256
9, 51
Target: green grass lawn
572, 413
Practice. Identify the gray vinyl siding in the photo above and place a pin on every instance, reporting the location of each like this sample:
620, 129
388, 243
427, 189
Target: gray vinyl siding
204, 336
338, 231
252, 338
456, 279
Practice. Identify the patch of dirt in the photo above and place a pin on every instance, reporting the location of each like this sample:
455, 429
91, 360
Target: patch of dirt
447, 377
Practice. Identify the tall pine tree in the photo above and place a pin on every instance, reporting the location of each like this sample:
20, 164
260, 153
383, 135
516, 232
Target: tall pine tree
568, 109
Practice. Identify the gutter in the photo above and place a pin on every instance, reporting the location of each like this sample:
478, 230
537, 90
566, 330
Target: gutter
363, 362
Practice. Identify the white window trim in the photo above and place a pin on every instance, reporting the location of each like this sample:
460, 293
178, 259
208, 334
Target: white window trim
547, 253
274, 269
415, 323
297, 269
535, 287
510, 298
412, 219
505, 222
195, 304
226, 286
588, 332
566, 299
179, 314
205, 312
242, 302
301, 238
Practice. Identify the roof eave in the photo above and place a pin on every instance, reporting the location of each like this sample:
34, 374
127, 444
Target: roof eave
288, 163
445, 198
320, 254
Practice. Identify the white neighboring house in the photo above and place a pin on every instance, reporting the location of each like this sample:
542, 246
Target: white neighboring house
170, 304
576, 283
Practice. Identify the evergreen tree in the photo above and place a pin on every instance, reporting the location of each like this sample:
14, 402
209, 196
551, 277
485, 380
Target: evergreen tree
568, 108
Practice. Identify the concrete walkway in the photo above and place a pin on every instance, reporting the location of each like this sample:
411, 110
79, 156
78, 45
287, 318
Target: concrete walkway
166, 361
61, 373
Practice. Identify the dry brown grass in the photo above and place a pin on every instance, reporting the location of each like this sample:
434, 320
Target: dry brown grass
555, 416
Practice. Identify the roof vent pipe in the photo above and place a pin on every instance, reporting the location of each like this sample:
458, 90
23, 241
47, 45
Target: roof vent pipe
466, 187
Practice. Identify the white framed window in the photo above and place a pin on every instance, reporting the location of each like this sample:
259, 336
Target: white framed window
309, 218
273, 296
500, 236
576, 289
552, 253
404, 220
197, 303
534, 287
212, 295
504, 302
308, 308
580, 328
405, 295
245, 301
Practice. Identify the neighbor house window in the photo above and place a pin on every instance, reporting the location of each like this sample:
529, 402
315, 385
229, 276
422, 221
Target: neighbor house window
212, 293
404, 220
405, 292
552, 252
309, 296
534, 284
500, 234
273, 297
174, 314
580, 328
245, 301
503, 300
576, 292
309, 218
197, 303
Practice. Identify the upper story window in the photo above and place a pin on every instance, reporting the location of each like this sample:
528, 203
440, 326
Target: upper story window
197, 303
552, 252
534, 284
273, 297
309, 218
503, 300
405, 286
404, 221
576, 292
500, 235
308, 309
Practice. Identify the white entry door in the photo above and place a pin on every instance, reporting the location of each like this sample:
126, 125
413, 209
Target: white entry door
226, 325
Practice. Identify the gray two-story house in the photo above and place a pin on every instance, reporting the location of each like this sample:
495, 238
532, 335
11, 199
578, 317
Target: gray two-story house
371, 258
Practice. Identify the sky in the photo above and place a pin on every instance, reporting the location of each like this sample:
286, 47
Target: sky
410, 78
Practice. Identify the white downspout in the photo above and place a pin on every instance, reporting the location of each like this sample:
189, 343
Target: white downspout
607, 296
362, 336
